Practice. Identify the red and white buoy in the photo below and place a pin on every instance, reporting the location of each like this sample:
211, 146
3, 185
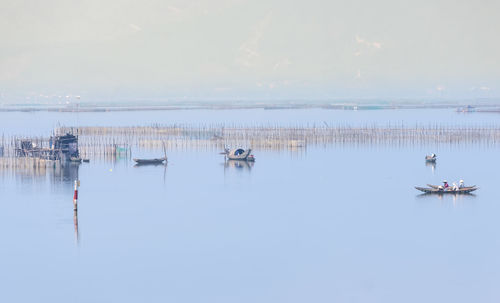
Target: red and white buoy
75, 196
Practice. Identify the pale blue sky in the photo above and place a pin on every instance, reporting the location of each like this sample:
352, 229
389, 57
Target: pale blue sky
164, 50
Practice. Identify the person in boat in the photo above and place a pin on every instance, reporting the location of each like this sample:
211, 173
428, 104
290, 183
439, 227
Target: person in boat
433, 155
461, 184
455, 186
445, 184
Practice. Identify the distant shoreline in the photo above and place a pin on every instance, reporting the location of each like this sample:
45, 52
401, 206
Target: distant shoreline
478, 107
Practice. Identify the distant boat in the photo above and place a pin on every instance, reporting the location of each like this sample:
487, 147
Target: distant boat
155, 161
434, 189
438, 186
431, 158
239, 154
466, 109
150, 161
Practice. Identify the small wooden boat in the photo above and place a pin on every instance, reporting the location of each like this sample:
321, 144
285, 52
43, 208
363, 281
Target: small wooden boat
437, 186
449, 190
239, 154
431, 158
157, 161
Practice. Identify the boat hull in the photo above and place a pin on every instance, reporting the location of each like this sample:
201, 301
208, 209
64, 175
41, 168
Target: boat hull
240, 154
150, 161
437, 186
430, 190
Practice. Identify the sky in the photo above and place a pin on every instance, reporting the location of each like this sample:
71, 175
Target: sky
248, 50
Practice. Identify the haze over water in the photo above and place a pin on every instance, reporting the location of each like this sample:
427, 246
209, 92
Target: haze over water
328, 212
337, 223
41, 123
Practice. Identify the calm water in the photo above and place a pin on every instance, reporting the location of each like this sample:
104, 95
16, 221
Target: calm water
326, 224
41, 123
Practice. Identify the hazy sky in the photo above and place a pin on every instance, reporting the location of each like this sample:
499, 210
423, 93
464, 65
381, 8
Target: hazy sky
132, 50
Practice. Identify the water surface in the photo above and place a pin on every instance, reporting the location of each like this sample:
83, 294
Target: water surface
321, 224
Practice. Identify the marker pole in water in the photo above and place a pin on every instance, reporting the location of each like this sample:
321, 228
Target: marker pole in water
75, 196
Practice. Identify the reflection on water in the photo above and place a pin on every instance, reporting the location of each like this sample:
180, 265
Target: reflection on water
445, 199
205, 219
75, 223
65, 173
59, 174
432, 165
239, 165
149, 164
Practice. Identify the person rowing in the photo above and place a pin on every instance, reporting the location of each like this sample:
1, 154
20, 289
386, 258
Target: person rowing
461, 184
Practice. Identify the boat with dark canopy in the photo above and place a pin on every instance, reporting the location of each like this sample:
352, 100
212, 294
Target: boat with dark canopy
239, 154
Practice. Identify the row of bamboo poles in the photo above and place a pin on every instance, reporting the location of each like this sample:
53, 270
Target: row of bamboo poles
101, 140
117, 142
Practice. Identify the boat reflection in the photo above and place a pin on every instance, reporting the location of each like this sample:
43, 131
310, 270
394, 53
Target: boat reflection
239, 164
432, 165
445, 199
440, 196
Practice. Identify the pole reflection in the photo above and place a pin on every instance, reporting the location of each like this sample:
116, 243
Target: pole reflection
75, 223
